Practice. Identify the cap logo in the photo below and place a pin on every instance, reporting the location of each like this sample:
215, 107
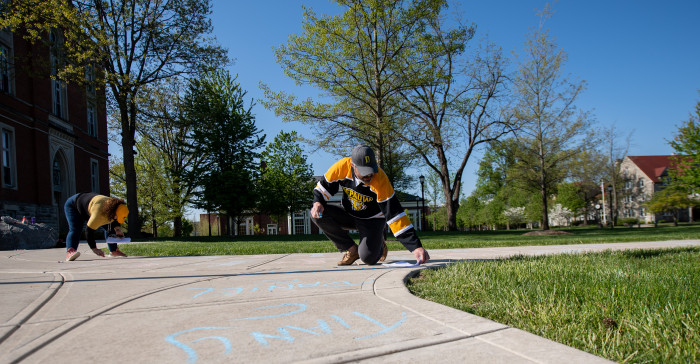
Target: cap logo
367, 159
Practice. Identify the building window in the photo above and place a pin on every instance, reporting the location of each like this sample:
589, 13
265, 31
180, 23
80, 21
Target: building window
628, 185
8, 158
57, 175
642, 212
4, 69
271, 229
58, 87
91, 119
299, 223
640, 183
95, 176
90, 81
91, 95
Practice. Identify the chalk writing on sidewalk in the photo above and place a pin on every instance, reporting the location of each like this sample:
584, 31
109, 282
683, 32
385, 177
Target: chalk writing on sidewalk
272, 286
282, 334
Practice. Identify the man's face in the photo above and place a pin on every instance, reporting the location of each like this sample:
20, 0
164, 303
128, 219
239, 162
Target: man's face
365, 179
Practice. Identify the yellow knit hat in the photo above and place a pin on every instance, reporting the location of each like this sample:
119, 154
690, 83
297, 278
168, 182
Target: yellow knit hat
122, 213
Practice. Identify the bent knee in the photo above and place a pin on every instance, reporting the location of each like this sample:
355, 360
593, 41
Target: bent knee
370, 259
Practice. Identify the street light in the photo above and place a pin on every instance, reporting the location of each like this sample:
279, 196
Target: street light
612, 213
422, 196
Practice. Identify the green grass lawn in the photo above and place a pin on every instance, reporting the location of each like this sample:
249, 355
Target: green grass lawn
284, 244
634, 306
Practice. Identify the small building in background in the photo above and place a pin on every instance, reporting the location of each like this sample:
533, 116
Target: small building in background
644, 176
297, 223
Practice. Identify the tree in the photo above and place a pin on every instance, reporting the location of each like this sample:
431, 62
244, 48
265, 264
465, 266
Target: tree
552, 131
225, 135
492, 213
433, 194
153, 186
571, 197
353, 59
470, 213
614, 153
161, 125
686, 143
586, 171
453, 111
671, 199
132, 42
514, 216
560, 215
286, 180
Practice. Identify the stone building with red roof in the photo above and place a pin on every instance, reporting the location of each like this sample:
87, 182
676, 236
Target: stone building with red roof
644, 176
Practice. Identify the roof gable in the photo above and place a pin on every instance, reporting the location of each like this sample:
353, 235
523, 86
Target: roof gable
654, 166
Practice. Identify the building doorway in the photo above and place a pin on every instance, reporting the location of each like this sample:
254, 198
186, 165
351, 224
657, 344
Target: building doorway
60, 190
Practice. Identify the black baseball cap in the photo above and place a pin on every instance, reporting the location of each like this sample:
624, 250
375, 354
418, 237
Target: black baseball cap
364, 160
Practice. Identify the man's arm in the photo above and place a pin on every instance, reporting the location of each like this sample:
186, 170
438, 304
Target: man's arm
403, 229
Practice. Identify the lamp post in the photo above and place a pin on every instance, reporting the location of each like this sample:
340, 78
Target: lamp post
602, 190
612, 213
422, 196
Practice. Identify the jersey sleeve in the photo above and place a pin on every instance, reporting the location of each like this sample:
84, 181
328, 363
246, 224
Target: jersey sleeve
330, 182
396, 217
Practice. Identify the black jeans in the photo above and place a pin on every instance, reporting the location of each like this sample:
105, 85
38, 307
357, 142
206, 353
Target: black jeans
75, 227
336, 223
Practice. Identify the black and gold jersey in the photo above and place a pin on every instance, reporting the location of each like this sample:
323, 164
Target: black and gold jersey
374, 200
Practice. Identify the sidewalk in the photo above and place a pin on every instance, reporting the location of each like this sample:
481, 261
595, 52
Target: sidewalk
252, 309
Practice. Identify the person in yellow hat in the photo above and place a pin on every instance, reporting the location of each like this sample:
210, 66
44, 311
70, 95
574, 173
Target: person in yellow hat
98, 211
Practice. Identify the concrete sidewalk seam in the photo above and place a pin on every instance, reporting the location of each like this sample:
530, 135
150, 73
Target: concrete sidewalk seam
34, 307
87, 319
267, 261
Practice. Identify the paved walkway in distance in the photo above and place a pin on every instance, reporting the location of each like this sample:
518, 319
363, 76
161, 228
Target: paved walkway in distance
252, 309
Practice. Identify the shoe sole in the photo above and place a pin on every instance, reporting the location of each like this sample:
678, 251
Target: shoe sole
73, 257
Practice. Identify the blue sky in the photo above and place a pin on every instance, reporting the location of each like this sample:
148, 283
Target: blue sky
640, 59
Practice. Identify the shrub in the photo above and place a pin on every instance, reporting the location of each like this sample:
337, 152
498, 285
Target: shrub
629, 221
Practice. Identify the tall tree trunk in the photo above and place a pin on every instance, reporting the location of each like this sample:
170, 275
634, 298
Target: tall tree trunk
545, 215
130, 175
127, 107
543, 186
209, 221
177, 226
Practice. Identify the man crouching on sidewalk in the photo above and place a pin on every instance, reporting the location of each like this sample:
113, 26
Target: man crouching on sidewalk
368, 203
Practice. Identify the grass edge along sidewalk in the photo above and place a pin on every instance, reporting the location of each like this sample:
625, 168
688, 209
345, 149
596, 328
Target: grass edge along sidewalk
626, 306
317, 243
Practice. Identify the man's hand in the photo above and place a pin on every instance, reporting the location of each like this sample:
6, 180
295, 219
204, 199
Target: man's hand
422, 255
317, 210
118, 232
98, 252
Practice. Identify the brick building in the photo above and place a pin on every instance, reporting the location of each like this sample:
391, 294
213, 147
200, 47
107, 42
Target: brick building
53, 134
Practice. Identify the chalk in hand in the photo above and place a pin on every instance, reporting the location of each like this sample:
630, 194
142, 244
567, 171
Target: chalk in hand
114, 239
